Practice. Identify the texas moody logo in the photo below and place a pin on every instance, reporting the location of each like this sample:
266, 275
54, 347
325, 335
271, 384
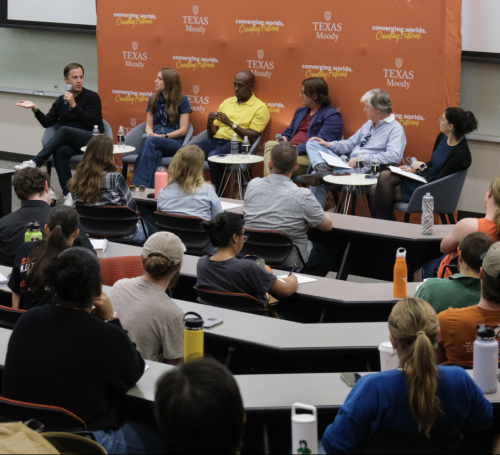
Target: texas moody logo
135, 58
398, 77
328, 29
198, 102
255, 66
195, 23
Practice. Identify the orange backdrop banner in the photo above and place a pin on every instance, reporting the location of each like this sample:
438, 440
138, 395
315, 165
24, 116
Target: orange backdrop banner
410, 48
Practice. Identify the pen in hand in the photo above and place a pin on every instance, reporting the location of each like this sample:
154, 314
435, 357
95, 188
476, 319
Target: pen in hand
293, 268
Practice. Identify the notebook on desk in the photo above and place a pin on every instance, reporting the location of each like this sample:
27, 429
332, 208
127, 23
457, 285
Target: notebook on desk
3, 280
99, 244
229, 205
302, 279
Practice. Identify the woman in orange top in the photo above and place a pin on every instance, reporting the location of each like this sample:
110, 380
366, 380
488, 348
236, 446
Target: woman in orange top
490, 225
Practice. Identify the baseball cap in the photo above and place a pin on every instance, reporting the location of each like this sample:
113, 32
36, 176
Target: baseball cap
491, 260
165, 244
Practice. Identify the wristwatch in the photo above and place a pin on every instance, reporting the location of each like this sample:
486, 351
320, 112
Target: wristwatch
421, 168
234, 126
115, 316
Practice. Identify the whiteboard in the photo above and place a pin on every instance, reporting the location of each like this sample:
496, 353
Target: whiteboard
480, 30
60, 11
35, 60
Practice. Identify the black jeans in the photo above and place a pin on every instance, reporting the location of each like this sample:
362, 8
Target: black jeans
66, 143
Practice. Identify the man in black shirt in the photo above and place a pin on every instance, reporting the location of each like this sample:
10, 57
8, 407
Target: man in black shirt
77, 111
31, 185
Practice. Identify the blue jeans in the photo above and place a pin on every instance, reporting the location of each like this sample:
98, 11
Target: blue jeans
66, 143
149, 158
132, 437
213, 147
320, 261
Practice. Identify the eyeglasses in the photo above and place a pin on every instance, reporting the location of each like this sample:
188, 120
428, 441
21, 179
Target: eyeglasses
441, 119
245, 237
302, 93
365, 140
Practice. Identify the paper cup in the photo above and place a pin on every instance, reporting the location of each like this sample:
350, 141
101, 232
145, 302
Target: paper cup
389, 360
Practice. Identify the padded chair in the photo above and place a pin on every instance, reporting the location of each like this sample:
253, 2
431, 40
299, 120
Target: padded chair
231, 301
443, 440
134, 139
446, 193
272, 246
52, 130
244, 167
110, 222
52, 417
188, 229
9, 317
114, 269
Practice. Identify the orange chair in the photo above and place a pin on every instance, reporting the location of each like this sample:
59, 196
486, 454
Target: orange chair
114, 269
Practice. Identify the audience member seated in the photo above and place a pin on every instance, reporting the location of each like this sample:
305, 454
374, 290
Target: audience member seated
243, 114
278, 204
458, 325
76, 355
382, 136
32, 187
417, 397
167, 124
187, 193
462, 289
153, 321
77, 111
490, 225
27, 281
199, 409
450, 155
96, 182
226, 273
317, 118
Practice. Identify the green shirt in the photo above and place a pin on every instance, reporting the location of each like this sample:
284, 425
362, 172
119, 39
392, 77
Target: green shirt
456, 291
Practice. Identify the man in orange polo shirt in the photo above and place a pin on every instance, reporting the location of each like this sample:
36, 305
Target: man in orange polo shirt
458, 325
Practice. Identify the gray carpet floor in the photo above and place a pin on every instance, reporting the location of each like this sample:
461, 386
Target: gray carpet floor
16, 204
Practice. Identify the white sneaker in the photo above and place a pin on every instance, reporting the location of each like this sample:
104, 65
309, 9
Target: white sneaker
68, 200
24, 165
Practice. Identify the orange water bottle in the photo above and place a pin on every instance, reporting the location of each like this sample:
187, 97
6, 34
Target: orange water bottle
400, 274
161, 179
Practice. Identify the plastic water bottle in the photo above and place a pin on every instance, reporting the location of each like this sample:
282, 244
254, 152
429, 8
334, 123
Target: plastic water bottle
360, 164
120, 139
234, 145
485, 359
304, 429
245, 146
161, 179
427, 214
96, 131
33, 232
193, 336
375, 167
400, 274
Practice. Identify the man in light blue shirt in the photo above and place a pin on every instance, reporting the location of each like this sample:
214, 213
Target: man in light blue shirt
382, 136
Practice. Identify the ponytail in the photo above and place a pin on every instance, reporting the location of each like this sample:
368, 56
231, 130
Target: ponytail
464, 122
221, 229
414, 323
63, 222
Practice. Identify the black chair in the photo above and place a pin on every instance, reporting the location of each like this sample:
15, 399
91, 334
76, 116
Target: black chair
272, 246
53, 418
452, 266
188, 229
442, 440
110, 222
9, 317
231, 301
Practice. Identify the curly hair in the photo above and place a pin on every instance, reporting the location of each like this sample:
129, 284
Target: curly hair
29, 182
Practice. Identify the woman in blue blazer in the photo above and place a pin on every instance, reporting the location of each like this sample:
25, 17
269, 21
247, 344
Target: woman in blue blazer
316, 118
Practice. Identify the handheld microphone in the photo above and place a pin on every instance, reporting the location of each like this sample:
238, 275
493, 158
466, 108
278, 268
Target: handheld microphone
278, 137
68, 89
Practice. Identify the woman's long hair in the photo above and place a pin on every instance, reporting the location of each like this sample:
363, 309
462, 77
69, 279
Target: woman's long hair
63, 222
495, 190
186, 169
414, 323
97, 159
172, 94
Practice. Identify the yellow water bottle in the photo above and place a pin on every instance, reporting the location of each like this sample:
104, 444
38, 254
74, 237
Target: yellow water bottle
193, 336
